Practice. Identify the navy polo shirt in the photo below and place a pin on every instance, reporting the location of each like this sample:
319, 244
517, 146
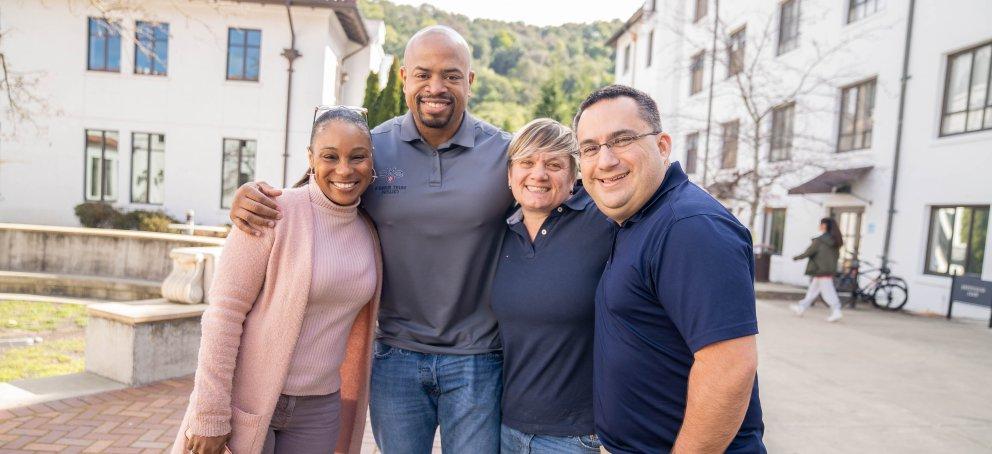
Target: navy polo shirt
543, 298
679, 278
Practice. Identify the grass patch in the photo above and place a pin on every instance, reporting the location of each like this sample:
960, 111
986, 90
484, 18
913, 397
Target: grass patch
37, 317
58, 357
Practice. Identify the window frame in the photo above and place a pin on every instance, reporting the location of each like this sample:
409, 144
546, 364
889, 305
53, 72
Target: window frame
148, 160
873, 82
768, 226
967, 110
968, 258
789, 42
699, 58
691, 153
650, 56
626, 58
738, 54
853, 5
699, 13
244, 55
223, 168
90, 23
789, 107
154, 43
723, 143
103, 158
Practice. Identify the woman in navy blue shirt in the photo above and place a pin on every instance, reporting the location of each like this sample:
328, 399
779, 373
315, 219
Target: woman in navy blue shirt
553, 253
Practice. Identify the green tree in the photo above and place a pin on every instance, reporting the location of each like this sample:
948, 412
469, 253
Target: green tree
371, 90
552, 103
390, 101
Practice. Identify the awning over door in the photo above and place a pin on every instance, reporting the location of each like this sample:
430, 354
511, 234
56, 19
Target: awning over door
831, 181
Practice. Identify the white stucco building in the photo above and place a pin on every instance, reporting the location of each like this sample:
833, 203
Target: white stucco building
824, 77
169, 104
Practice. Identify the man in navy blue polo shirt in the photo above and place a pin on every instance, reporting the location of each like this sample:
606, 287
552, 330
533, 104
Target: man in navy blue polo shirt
675, 353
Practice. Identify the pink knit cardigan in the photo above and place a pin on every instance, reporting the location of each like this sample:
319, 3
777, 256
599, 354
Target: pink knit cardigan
257, 302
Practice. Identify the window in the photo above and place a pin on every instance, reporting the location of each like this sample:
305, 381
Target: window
856, 105
781, 141
691, 150
774, 230
967, 93
101, 166
626, 59
238, 168
788, 26
728, 156
147, 168
151, 48
104, 46
696, 73
650, 48
860, 9
735, 53
700, 10
957, 240
243, 53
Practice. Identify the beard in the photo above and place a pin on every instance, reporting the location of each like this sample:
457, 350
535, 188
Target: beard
437, 121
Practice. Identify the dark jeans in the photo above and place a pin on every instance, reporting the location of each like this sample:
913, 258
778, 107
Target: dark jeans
412, 393
304, 424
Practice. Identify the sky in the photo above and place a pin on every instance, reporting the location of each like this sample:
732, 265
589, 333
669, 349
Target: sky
537, 12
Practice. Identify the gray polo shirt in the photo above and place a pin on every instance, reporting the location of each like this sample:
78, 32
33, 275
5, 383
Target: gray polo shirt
441, 215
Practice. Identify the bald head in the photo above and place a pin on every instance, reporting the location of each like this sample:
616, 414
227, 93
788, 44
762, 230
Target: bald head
437, 80
439, 36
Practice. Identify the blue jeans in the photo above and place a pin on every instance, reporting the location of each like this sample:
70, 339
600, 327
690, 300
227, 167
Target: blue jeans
413, 392
513, 441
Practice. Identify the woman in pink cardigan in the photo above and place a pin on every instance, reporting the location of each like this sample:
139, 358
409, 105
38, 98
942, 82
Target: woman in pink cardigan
286, 345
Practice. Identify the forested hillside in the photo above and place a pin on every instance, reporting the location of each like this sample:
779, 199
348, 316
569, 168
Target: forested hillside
521, 70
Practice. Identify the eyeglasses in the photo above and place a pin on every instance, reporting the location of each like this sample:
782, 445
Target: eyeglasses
616, 144
320, 110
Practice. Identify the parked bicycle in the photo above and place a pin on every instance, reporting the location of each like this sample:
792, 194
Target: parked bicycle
864, 282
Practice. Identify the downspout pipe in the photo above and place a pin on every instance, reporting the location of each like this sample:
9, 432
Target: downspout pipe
709, 101
291, 55
899, 123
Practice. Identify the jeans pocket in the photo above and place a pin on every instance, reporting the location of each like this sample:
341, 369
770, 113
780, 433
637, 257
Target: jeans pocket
590, 442
381, 350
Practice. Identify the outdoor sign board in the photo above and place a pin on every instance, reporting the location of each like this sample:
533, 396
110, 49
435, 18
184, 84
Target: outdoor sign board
970, 289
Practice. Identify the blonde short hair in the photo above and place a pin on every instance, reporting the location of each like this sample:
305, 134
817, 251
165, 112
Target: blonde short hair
544, 135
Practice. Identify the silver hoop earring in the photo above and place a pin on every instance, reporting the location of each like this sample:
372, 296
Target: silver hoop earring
374, 175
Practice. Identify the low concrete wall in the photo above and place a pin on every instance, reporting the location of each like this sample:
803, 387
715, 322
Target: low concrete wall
143, 341
76, 286
92, 252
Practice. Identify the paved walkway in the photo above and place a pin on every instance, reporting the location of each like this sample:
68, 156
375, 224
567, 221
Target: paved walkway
874, 382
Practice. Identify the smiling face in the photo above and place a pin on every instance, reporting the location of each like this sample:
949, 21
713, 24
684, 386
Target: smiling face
341, 159
437, 79
541, 182
621, 181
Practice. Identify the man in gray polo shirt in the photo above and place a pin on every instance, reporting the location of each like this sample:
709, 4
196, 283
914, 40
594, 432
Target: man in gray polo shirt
439, 203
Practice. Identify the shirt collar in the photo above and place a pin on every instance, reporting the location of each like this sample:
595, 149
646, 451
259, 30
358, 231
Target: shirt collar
674, 177
465, 136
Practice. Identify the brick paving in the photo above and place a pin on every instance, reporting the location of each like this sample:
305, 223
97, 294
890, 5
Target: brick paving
134, 420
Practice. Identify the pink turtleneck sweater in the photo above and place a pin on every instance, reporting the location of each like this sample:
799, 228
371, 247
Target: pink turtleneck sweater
342, 282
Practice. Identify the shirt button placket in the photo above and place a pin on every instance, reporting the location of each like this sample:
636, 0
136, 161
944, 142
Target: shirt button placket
435, 169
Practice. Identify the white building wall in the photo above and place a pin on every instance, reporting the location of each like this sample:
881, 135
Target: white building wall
194, 106
934, 170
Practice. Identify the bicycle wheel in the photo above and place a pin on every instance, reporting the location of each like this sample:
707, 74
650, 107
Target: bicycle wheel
890, 295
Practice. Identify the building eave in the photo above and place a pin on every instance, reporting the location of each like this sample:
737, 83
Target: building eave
635, 18
346, 11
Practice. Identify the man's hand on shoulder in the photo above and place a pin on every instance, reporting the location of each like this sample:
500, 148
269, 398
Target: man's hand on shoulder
254, 207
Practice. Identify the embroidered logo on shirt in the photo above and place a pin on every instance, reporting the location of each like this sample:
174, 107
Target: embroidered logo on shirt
389, 176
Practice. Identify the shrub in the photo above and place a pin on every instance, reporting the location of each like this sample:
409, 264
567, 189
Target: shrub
96, 214
102, 215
